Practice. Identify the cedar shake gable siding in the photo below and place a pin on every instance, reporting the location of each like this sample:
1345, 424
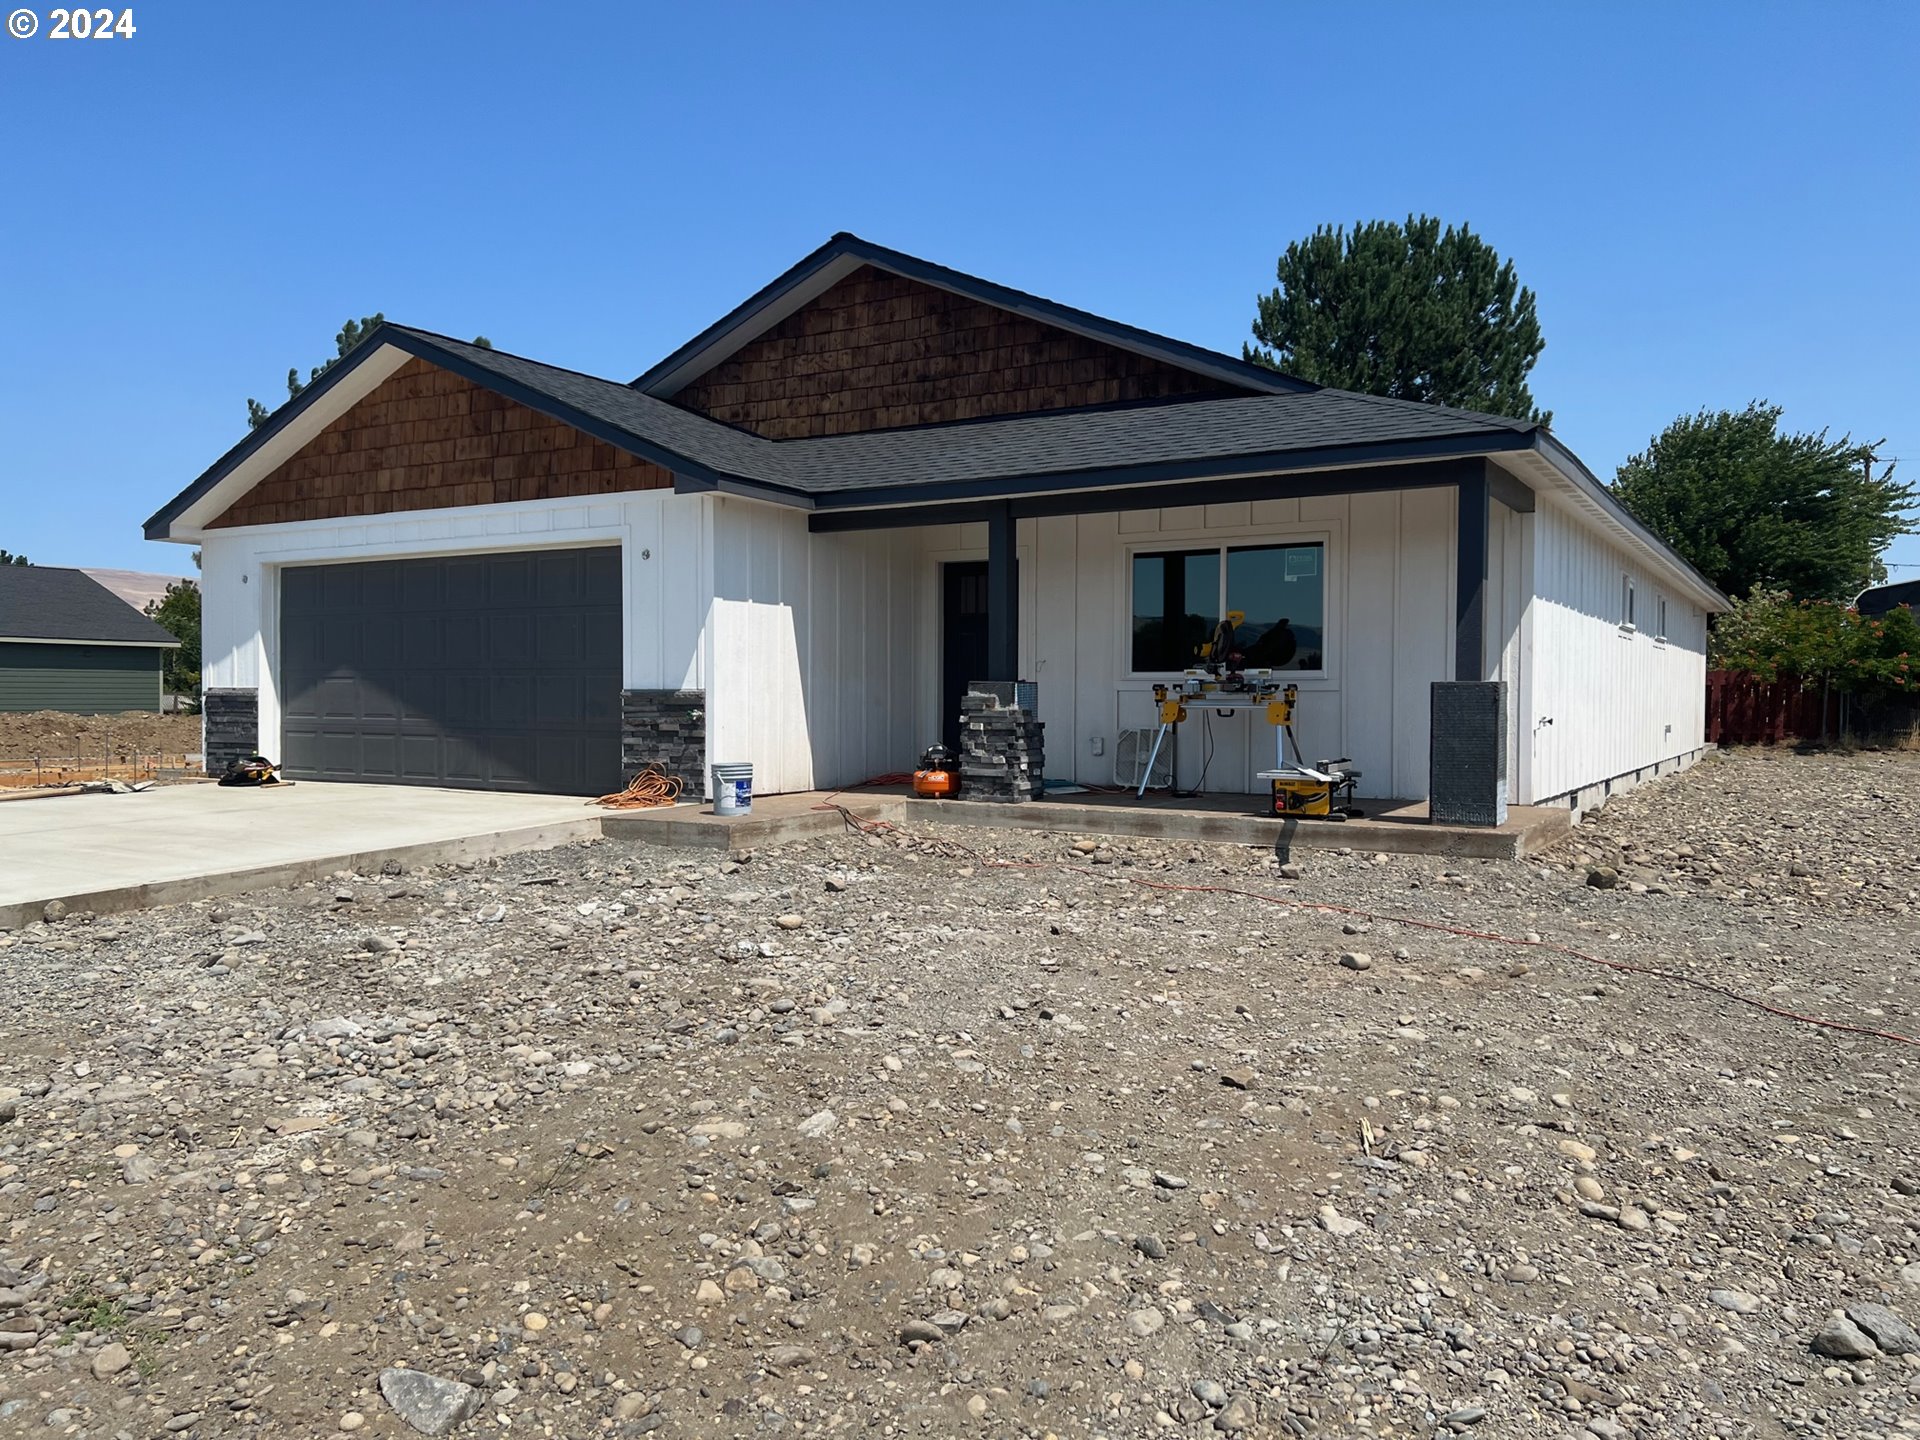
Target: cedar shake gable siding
879, 351
426, 439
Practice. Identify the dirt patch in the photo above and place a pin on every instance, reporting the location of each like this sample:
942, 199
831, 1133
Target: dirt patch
75, 740
954, 1131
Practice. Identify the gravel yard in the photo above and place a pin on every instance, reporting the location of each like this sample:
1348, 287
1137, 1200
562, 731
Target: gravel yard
880, 1136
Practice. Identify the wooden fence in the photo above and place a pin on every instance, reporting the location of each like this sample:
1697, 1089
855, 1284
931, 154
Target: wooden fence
1743, 709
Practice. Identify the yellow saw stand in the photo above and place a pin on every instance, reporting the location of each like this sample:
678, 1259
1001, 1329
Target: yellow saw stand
1325, 792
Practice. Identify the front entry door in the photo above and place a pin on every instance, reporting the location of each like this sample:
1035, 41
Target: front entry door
963, 639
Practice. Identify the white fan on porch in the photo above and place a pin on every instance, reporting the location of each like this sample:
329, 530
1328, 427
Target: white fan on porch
1130, 751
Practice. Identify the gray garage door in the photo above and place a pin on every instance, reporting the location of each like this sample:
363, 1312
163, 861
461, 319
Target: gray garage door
485, 672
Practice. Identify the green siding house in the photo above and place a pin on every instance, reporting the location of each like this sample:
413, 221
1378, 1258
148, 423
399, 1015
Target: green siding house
68, 643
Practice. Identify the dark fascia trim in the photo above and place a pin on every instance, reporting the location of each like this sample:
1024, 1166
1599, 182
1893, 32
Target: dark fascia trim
522, 394
1510, 492
1358, 480
1175, 352
695, 475
1572, 465
1173, 471
750, 489
160, 523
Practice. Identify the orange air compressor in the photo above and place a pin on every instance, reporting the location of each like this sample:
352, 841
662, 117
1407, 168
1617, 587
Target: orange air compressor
938, 778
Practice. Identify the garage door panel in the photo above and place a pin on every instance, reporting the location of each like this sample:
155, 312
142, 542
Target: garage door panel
337, 697
484, 671
341, 586
300, 588
510, 583
417, 759
558, 584
421, 701
379, 643
464, 582
556, 699
600, 632
561, 645
510, 637
463, 640
476, 693
422, 638
421, 586
380, 753
515, 756
511, 700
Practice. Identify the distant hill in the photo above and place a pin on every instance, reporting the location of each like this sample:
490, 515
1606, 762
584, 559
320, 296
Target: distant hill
136, 587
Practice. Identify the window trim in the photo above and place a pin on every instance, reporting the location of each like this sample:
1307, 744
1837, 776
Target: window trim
1179, 542
1660, 618
1629, 594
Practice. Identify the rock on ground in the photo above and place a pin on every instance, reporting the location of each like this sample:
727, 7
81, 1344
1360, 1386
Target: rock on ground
429, 1404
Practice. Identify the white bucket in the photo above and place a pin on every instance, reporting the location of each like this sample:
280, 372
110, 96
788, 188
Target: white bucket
732, 789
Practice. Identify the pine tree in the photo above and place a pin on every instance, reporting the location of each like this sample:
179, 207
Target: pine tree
1411, 312
351, 334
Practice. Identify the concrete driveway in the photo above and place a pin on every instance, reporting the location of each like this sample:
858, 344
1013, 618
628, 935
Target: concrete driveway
187, 842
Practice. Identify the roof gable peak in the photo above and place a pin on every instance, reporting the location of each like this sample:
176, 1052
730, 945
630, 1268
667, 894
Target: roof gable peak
846, 253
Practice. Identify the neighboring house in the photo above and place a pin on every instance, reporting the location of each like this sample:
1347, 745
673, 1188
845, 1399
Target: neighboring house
795, 540
1882, 599
67, 643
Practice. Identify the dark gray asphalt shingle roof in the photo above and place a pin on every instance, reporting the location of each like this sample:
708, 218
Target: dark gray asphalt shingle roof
1065, 442
1061, 443
41, 602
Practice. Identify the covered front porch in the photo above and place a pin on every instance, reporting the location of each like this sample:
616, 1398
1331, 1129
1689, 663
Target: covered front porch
842, 639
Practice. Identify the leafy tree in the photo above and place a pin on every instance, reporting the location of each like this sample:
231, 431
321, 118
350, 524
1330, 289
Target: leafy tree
7, 557
351, 334
1750, 506
178, 613
1407, 311
1819, 642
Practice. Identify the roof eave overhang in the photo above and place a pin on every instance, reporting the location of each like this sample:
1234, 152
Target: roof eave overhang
88, 640
1328, 459
185, 517
844, 254
1598, 501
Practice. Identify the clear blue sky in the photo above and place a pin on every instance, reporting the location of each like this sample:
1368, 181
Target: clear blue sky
1713, 202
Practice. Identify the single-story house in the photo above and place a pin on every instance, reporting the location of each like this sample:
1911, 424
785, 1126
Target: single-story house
68, 643
797, 539
1885, 599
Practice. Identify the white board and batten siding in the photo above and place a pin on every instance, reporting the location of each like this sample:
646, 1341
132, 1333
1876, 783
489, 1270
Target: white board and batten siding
1607, 700
1388, 580
814, 649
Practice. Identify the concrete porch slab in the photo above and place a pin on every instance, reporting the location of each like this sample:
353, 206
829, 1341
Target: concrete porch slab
775, 819
106, 853
1394, 826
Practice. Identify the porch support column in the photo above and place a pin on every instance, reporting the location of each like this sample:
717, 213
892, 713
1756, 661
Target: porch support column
1470, 578
1003, 596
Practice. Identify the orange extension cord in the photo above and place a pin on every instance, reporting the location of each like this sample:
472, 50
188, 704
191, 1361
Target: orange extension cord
1653, 972
650, 788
